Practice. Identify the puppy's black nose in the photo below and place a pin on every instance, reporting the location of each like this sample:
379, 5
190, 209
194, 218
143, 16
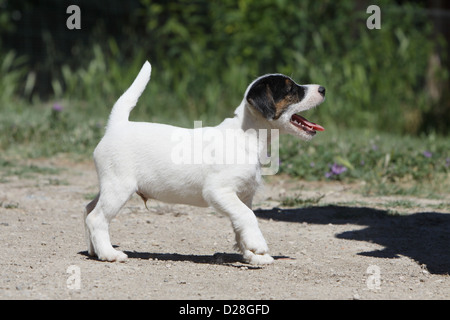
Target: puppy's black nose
322, 91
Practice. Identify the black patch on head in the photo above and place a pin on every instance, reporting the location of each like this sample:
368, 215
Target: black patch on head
271, 95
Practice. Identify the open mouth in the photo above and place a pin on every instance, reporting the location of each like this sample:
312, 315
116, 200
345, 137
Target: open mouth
305, 125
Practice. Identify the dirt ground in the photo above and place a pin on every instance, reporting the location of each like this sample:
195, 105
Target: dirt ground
345, 247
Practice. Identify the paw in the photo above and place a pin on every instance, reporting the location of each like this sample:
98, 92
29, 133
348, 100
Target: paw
253, 242
254, 248
113, 255
254, 258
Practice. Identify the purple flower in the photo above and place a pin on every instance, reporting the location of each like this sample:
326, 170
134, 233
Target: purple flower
447, 162
427, 154
57, 107
335, 170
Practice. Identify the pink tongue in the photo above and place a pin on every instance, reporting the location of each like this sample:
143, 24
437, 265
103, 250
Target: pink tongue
307, 123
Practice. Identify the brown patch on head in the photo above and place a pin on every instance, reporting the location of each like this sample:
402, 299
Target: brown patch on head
273, 94
282, 104
289, 98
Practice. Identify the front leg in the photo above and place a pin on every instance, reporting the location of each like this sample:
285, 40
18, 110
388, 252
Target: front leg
249, 238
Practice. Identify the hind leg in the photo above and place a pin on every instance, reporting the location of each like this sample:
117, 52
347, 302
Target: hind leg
99, 214
88, 210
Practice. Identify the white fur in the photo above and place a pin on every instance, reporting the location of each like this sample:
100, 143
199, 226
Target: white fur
136, 157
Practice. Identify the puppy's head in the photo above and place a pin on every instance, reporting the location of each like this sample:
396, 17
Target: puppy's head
279, 99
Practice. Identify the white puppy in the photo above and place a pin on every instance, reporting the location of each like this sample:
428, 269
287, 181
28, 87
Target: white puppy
145, 158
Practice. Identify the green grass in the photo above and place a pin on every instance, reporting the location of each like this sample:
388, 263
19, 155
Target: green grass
17, 168
299, 201
389, 163
41, 131
392, 207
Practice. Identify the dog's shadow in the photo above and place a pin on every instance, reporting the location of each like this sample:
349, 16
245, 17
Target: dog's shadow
223, 258
423, 237
219, 258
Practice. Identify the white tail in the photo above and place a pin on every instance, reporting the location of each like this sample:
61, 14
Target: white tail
128, 100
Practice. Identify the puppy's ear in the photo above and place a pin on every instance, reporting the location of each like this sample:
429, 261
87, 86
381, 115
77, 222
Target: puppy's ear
261, 98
